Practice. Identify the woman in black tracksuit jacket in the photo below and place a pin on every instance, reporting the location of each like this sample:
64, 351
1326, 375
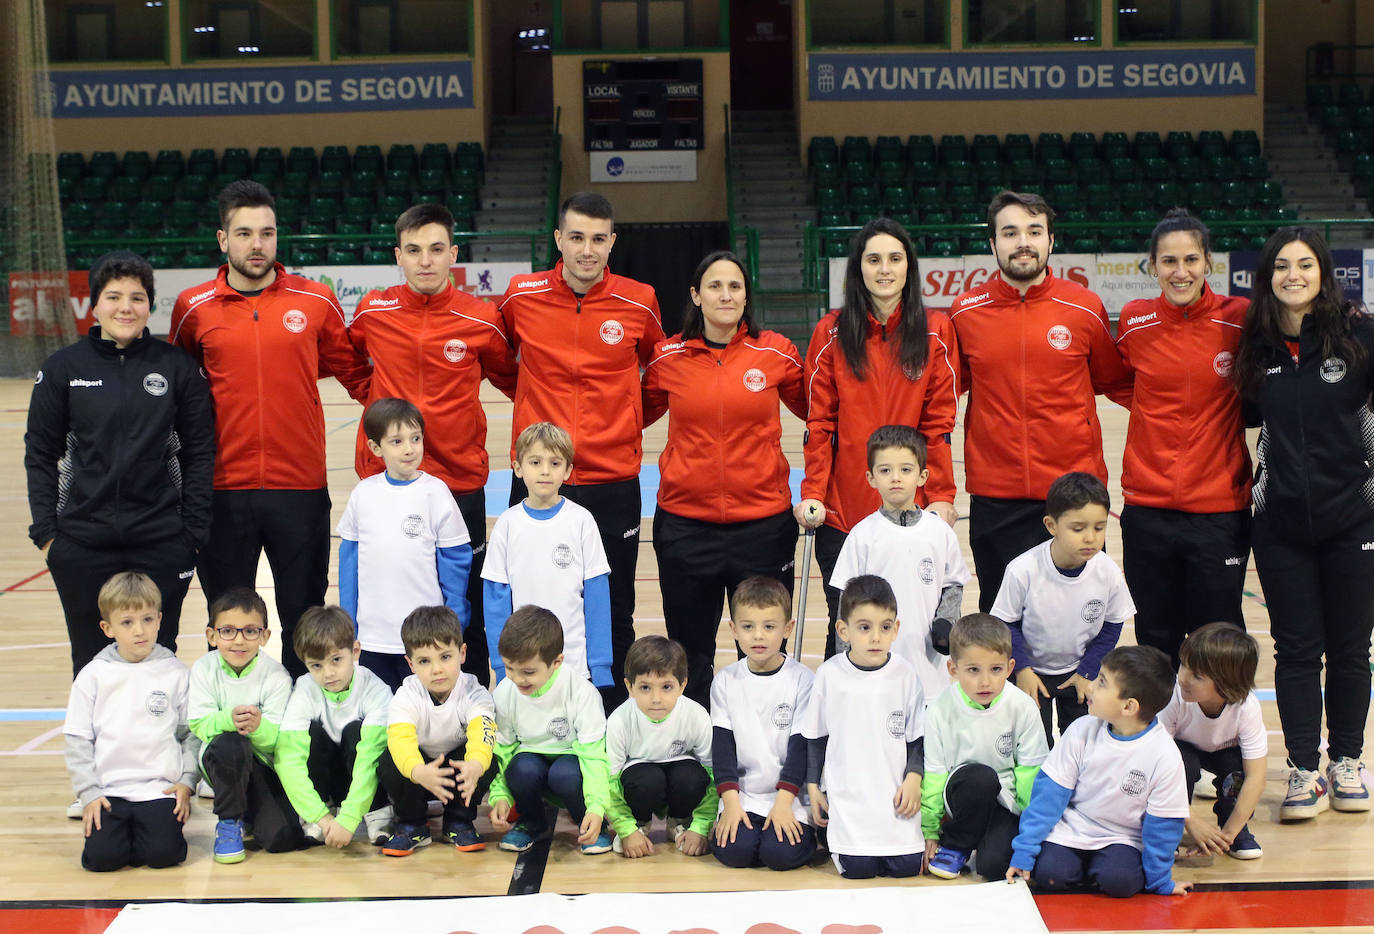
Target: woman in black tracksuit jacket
1305, 368
119, 453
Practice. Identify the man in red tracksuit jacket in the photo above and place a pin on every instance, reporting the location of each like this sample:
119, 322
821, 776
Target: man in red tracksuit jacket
1034, 351
264, 336
432, 344
583, 335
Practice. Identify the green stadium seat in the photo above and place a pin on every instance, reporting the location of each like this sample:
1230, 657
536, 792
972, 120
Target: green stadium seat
1167, 195
1124, 169
1270, 194
1190, 169
1114, 146
236, 162
1082, 146
891, 173
91, 188
323, 209
921, 149
929, 197
833, 218
464, 179
961, 194
1063, 196
392, 206
827, 174
78, 215
1228, 243
289, 211
1179, 144
863, 198
104, 164
1284, 215
469, 156
464, 203
1093, 171
1221, 168
972, 243
925, 173
822, 148
202, 163
401, 157
1050, 146
1017, 146
170, 163
1245, 143
827, 199
986, 148
953, 148
363, 181
1083, 244
1350, 94
1252, 167
1147, 145
330, 183
888, 149
375, 256
159, 189
266, 179
1319, 96
137, 164
124, 188
1121, 244
306, 255
937, 217
336, 159
184, 213
1057, 171
959, 173
1334, 118
1157, 169
397, 182
430, 186
1023, 174
435, 157
897, 198
1133, 195
907, 219
1211, 143
992, 173
944, 247
302, 159
381, 225
856, 149
295, 185
358, 206
368, 159
71, 165
66, 188
1201, 195
859, 172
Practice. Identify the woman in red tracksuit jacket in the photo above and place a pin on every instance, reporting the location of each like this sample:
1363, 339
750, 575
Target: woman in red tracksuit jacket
1185, 529
882, 359
724, 498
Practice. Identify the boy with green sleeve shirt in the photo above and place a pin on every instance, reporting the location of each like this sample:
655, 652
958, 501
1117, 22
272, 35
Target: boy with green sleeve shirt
333, 733
236, 701
984, 747
550, 738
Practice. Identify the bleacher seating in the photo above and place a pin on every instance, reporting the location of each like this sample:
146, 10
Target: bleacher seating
1345, 113
139, 197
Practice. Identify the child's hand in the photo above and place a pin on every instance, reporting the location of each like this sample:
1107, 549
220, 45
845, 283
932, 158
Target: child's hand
907, 800
436, 778
590, 828
731, 816
182, 809
1013, 874
467, 774
1207, 838
1081, 686
819, 805
247, 718
1030, 682
334, 833
636, 845
500, 810
784, 823
1182, 888
90, 814
692, 843
809, 513
931, 847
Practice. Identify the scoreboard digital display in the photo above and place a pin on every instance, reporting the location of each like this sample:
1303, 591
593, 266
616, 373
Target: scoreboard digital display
641, 105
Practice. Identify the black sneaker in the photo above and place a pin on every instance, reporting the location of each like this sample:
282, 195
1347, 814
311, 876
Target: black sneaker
463, 836
1245, 846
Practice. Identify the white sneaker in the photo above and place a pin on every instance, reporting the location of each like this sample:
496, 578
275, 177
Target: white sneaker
618, 848
1348, 791
1205, 789
75, 811
378, 824
312, 831
203, 789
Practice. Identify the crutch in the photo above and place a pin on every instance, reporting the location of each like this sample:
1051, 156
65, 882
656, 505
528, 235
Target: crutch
804, 570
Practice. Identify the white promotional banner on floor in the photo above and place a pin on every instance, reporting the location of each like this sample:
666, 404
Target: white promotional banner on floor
896, 910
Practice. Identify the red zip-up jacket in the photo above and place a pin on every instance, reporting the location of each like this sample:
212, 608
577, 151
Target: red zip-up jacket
433, 350
580, 362
264, 355
842, 411
723, 461
1031, 367
1185, 445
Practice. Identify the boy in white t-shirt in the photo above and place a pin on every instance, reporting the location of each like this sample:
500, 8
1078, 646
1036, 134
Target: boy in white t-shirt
333, 733
441, 728
129, 751
1216, 721
758, 754
984, 747
1065, 601
658, 753
1109, 803
546, 551
402, 541
913, 550
864, 741
550, 739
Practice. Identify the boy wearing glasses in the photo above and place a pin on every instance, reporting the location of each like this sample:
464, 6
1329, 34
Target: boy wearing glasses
237, 699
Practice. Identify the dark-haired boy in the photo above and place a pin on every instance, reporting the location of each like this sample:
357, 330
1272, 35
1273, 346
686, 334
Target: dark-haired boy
1109, 804
440, 731
236, 702
583, 335
433, 343
1065, 601
333, 733
402, 542
264, 336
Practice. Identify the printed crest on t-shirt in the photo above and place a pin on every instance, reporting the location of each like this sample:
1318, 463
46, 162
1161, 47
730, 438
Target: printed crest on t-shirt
1006, 743
559, 728
927, 570
562, 555
782, 716
158, 703
896, 723
1134, 783
412, 525
678, 747
1094, 610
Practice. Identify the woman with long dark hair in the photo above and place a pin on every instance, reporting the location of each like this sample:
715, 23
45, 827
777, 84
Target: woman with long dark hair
1304, 370
724, 498
1185, 529
882, 359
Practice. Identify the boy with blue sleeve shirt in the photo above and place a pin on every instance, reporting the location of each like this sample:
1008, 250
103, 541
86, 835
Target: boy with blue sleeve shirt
1110, 802
546, 551
333, 733
236, 702
402, 542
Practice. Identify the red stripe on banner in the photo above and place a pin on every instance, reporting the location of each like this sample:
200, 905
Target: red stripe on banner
58, 920
1264, 909
31, 577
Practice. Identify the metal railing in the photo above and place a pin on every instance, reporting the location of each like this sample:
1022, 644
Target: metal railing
750, 234
1321, 61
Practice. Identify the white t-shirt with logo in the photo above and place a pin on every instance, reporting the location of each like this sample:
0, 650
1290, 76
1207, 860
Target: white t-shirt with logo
1060, 615
918, 561
545, 563
568, 712
397, 527
763, 711
1237, 725
869, 716
632, 738
441, 727
1115, 783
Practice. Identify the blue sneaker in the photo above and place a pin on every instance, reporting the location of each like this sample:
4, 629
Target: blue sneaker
521, 837
407, 839
1245, 846
229, 841
463, 836
948, 862
602, 844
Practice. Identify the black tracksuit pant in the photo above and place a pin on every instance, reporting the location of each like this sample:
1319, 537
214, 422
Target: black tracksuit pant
998, 531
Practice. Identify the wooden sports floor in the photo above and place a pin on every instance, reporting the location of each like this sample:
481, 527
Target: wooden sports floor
1317, 875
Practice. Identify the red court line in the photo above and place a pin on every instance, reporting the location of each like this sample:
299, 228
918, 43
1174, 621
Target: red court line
58, 920
1259, 909
21, 583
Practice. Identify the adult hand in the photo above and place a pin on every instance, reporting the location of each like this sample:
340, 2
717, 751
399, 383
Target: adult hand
809, 513
1029, 682
1081, 686
945, 511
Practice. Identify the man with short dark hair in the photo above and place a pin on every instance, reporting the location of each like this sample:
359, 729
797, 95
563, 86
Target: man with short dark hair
432, 344
264, 337
1033, 349
583, 335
